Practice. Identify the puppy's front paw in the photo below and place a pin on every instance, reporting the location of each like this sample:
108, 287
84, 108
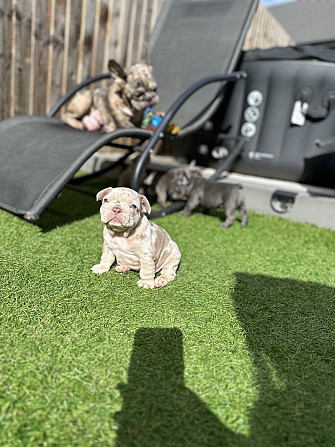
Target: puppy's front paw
110, 127
226, 224
184, 213
100, 268
160, 281
146, 284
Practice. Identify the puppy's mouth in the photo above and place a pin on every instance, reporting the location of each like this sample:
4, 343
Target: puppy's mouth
117, 226
118, 222
116, 218
142, 102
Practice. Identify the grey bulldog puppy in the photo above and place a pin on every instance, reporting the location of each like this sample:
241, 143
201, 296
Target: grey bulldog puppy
164, 186
210, 194
120, 105
133, 241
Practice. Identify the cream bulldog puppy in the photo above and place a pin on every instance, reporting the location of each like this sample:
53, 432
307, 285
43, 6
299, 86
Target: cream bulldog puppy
133, 241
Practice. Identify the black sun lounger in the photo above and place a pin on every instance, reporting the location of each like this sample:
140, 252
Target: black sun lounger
193, 40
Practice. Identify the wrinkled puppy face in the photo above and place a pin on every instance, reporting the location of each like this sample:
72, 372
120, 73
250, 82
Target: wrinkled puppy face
140, 87
181, 186
137, 83
122, 208
178, 190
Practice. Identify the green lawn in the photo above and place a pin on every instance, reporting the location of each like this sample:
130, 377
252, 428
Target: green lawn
237, 351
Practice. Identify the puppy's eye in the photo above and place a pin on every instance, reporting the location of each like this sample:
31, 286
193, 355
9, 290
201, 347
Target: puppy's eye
181, 182
133, 206
106, 200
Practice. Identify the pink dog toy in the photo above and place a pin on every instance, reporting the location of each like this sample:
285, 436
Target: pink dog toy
93, 121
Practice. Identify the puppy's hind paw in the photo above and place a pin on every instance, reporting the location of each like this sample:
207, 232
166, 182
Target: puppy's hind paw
100, 268
122, 268
146, 284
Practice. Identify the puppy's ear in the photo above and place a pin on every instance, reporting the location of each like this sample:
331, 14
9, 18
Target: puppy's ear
116, 70
196, 170
101, 194
187, 177
146, 208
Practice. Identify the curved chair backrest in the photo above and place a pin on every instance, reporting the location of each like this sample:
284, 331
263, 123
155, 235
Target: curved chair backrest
194, 39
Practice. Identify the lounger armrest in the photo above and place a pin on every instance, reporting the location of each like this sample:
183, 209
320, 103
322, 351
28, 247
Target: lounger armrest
73, 91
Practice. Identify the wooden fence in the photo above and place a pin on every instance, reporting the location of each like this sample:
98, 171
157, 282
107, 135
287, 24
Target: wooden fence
266, 32
48, 46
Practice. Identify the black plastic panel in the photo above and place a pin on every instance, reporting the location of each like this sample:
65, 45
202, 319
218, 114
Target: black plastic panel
262, 107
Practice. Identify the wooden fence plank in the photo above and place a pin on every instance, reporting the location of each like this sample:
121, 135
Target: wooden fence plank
123, 31
101, 37
88, 39
57, 41
131, 41
74, 22
81, 41
32, 57
22, 56
140, 31
94, 48
110, 5
5, 58
114, 31
41, 57
12, 58
50, 54
265, 31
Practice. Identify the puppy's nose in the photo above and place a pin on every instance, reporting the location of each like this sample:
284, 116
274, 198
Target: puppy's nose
116, 209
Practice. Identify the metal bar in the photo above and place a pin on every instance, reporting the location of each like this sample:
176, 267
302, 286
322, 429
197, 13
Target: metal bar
174, 207
227, 162
73, 91
100, 172
158, 133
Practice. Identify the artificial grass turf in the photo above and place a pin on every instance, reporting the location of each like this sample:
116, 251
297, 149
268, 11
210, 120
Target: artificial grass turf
237, 351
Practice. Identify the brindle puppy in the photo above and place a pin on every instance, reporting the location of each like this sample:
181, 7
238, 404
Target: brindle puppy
120, 105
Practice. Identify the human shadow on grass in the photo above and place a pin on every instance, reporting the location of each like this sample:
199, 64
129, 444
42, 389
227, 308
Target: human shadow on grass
158, 409
290, 331
289, 327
